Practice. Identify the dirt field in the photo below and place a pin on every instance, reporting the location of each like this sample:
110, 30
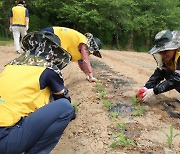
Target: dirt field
120, 73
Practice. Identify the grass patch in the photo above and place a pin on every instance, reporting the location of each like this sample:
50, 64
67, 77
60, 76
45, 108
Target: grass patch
5, 41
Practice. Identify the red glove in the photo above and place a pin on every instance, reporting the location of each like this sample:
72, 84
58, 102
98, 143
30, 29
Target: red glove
140, 92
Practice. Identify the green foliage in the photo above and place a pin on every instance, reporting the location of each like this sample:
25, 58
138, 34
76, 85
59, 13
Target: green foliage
121, 140
170, 136
120, 24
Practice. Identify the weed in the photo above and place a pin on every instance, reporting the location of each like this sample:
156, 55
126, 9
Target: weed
170, 137
121, 140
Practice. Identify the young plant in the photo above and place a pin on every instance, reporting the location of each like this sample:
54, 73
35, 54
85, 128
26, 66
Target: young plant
114, 115
99, 87
121, 126
134, 101
102, 94
170, 137
139, 110
121, 140
107, 104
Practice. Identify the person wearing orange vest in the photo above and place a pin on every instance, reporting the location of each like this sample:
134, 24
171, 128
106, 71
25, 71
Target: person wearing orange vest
35, 105
166, 77
19, 23
79, 46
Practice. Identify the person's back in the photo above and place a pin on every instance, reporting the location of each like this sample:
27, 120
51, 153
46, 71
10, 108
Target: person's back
30, 121
79, 46
19, 23
14, 92
19, 13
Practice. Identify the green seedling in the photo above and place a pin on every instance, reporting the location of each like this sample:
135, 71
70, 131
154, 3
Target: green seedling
75, 107
102, 94
121, 126
99, 87
170, 137
121, 140
114, 115
139, 110
134, 101
107, 104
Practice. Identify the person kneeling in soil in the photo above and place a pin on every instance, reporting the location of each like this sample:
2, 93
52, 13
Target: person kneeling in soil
166, 77
79, 46
29, 122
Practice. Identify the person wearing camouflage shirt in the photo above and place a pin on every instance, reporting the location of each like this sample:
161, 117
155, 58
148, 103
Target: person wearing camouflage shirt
166, 52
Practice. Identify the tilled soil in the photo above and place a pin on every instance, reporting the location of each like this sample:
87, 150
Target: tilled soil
120, 73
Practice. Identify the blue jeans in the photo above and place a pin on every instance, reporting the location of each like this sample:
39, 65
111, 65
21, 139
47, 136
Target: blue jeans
40, 131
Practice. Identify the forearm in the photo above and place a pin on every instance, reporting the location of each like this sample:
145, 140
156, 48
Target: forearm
10, 21
155, 79
27, 21
172, 83
84, 64
85, 67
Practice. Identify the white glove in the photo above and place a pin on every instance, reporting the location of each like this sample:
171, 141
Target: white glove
91, 79
147, 94
10, 28
27, 27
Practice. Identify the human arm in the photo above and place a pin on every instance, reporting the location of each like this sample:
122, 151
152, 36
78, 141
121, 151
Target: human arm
172, 81
10, 21
84, 64
27, 19
54, 81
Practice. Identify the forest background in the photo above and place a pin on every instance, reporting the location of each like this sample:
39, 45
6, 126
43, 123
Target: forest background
120, 24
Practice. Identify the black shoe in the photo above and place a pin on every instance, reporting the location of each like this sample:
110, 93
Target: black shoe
177, 100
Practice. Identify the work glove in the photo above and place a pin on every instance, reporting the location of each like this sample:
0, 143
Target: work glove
91, 79
10, 28
140, 92
147, 94
27, 27
65, 94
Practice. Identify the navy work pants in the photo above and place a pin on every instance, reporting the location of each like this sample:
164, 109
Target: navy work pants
40, 131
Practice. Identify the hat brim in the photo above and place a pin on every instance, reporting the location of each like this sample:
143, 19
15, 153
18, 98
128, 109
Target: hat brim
168, 46
97, 54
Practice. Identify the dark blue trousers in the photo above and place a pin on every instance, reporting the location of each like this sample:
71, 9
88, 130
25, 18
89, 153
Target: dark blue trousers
40, 131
